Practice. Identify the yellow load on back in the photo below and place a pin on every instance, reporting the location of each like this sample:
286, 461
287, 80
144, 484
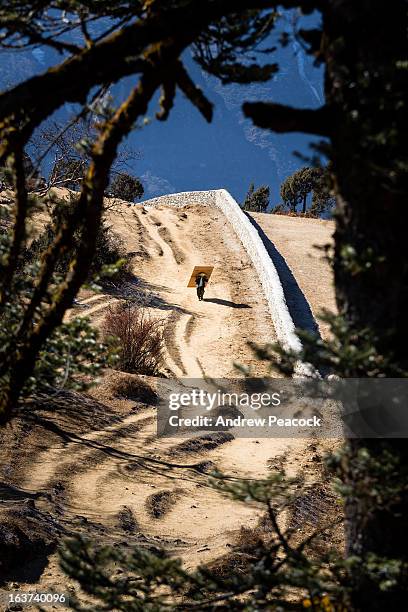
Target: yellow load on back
207, 270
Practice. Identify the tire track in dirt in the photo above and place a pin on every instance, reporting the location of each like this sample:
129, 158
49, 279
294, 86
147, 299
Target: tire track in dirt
179, 358
172, 347
178, 254
172, 353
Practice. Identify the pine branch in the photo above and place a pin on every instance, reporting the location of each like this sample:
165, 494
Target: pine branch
281, 119
111, 59
87, 217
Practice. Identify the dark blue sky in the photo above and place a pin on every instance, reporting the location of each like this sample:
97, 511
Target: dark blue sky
185, 153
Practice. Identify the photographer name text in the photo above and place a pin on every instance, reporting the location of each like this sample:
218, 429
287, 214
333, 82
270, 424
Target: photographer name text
221, 421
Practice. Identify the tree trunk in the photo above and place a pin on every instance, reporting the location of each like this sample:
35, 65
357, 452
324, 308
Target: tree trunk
364, 88
304, 204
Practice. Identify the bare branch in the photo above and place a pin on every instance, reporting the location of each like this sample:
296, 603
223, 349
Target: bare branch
19, 230
87, 215
193, 93
86, 35
166, 100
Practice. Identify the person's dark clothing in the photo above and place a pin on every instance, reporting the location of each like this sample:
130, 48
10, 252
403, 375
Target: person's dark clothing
201, 281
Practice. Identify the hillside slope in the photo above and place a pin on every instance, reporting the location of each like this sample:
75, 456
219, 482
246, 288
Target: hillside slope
205, 337
295, 246
86, 466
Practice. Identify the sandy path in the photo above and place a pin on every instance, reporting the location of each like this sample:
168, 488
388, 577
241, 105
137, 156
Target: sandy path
202, 338
211, 334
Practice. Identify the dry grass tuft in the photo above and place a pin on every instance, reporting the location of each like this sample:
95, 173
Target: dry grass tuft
202, 443
248, 546
158, 504
134, 388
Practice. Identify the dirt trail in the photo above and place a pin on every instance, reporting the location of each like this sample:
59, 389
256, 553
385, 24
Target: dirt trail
202, 338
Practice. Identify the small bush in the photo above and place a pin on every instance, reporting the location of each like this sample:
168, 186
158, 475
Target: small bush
257, 200
110, 248
140, 338
249, 540
126, 520
126, 187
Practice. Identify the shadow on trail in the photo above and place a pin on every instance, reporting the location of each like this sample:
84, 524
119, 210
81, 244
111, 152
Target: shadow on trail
9, 493
140, 292
159, 466
226, 303
297, 303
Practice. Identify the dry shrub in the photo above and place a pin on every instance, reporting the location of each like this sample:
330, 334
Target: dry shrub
250, 540
248, 547
126, 520
290, 213
140, 338
228, 565
134, 388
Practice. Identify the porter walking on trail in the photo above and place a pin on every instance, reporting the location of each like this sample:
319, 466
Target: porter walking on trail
201, 281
